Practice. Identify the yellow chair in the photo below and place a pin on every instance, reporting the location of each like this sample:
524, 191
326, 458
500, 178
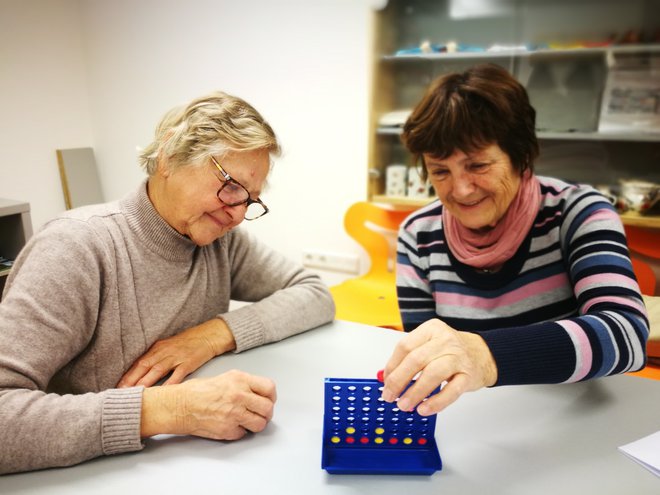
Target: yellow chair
371, 298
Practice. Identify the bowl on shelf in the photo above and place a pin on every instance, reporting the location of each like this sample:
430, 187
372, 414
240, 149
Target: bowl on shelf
641, 196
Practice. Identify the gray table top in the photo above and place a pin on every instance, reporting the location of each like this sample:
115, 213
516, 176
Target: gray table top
515, 440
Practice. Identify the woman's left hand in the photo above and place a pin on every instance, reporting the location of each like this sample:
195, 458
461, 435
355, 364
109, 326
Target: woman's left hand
441, 354
180, 354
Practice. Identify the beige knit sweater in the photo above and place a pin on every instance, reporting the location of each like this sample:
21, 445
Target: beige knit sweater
93, 291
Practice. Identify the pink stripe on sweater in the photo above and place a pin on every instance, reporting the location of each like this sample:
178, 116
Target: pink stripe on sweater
605, 279
602, 215
631, 303
537, 287
406, 271
583, 353
549, 219
434, 243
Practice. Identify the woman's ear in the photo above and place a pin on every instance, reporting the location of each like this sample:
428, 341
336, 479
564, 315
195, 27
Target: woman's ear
162, 167
162, 162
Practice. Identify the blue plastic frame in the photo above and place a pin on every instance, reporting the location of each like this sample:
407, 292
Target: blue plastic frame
374, 437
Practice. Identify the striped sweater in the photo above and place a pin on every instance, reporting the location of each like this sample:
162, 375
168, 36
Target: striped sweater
566, 307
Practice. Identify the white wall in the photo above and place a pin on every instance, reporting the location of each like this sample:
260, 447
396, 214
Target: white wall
44, 101
303, 64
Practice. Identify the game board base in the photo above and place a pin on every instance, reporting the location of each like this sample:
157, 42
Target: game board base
352, 461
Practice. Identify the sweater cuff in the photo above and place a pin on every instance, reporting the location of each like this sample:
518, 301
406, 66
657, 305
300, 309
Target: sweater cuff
246, 326
531, 355
120, 420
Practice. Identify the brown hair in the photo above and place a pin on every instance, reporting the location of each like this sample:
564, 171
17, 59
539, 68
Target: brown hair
469, 111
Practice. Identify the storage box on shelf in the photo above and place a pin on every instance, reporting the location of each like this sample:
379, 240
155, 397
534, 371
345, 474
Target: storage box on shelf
568, 86
15, 230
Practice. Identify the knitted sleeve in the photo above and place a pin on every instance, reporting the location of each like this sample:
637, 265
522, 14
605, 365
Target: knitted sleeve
287, 299
608, 335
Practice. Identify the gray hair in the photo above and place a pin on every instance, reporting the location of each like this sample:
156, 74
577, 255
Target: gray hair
215, 124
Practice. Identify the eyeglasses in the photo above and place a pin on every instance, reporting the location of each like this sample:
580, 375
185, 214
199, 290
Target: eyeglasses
233, 193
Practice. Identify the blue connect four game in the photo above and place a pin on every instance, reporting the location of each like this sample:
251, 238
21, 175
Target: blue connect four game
363, 434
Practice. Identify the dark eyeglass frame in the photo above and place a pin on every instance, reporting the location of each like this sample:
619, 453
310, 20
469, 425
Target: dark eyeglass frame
229, 180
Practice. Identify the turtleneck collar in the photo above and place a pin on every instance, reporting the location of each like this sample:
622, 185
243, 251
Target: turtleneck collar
152, 229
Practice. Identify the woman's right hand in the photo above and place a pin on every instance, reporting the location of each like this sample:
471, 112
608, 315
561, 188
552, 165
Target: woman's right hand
438, 354
223, 407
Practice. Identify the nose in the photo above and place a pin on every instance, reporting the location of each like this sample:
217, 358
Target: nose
237, 212
462, 185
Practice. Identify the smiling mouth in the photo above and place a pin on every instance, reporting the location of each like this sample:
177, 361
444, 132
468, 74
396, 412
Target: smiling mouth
468, 205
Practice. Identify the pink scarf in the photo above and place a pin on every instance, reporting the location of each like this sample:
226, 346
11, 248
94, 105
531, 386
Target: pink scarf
491, 249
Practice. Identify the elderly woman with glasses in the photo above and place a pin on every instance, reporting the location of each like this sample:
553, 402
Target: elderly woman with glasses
107, 300
508, 278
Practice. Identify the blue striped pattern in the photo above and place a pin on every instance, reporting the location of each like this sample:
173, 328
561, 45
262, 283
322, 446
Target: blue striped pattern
565, 308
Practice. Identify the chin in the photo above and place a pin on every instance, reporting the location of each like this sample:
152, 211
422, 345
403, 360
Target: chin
206, 238
472, 223
476, 220
207, 233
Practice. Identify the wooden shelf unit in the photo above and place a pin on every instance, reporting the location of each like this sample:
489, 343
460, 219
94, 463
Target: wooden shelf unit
630, 218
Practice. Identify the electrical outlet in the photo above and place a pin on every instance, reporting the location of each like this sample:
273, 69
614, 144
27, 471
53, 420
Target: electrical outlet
334, 262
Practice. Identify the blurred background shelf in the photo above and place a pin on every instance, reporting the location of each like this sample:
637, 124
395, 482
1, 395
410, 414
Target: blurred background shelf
634, 48
651, 137
629, 218
634, 219
567, 83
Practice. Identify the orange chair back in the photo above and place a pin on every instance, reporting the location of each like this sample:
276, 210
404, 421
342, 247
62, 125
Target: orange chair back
375, 228
371, 298
644, 246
